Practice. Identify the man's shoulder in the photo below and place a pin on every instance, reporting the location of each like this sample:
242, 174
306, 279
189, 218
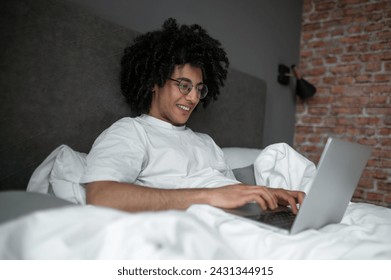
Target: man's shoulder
126, 124
127, 121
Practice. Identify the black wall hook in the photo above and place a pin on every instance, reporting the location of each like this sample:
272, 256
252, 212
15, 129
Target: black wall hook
283, 74
304, 89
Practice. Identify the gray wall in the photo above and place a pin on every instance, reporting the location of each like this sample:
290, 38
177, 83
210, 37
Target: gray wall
257, 35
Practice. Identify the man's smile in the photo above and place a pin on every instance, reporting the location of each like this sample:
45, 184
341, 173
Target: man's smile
183, 107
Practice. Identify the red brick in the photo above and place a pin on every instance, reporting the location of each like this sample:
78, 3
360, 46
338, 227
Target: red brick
369, 142
384, 35
337, 32
354, 100
379, 100
325, 6
383, 78
376, 197
371, 57
346, 69
338, 89
384, 186
349, 58
321, 35
355, 29
318, 44
307, 36
372, 7
360, 131
331, 24
366, 183
354, 39
350, 2
322, 90
379, 174
385, 131
311, 27
345, 80
387, 120
379, 46
307, 148
379, 89
318, 99
363, 78
378, 111
375, 17
358, 194
373, 67
311, 120
347, 110
299, 138
382, 153
306, 53
386, 56
351, 12
329, 121
331, 60
307, 6
385, 164
339, 130
385, 142
357, 48
374, 27
318, 110
367, 121
304, 129
317, 62
316, 71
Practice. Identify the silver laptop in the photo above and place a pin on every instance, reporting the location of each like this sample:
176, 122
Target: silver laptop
339, 170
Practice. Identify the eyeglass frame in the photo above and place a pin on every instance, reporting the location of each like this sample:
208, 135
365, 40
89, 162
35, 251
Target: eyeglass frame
199, 94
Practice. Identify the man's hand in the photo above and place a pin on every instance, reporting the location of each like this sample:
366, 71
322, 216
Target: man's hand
233, 196
288, 197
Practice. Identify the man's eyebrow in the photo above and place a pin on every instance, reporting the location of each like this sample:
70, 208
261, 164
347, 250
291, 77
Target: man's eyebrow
183, 78
187, 79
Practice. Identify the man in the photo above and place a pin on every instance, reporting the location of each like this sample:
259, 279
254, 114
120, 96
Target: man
153, 161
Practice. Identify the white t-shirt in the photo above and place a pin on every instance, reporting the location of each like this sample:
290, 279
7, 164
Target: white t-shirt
151, 152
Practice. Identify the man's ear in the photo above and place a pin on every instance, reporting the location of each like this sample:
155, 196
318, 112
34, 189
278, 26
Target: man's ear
155, 90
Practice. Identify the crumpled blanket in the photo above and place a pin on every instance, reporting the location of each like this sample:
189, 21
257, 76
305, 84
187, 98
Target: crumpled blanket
280, 166
201, 232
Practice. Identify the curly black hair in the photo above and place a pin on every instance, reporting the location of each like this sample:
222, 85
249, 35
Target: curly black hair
153, 56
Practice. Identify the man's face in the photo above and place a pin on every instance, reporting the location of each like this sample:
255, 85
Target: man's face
169, 104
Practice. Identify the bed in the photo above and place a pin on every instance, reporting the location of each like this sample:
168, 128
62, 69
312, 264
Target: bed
59, 79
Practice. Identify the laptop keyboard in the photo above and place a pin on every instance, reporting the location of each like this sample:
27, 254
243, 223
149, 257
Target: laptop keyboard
282, 219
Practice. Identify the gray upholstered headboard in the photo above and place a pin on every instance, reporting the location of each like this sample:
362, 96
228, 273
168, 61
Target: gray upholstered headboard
236, 118
59, 82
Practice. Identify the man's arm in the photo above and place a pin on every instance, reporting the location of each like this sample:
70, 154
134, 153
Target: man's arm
132, 197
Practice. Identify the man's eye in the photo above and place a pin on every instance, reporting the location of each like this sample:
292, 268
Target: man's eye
200, 87
184, 85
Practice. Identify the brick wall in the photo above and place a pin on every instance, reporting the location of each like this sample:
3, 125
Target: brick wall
346, 54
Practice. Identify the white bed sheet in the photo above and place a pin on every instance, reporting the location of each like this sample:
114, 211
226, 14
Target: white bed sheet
201, 232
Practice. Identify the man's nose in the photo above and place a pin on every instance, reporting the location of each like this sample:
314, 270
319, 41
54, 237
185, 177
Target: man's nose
193, 96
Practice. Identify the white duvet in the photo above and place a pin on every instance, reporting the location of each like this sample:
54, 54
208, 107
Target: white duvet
201, 232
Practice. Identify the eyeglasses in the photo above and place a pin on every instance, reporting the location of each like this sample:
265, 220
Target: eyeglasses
185, 86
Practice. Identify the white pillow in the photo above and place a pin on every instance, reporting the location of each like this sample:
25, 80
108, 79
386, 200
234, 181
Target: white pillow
237, 157
59, 175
